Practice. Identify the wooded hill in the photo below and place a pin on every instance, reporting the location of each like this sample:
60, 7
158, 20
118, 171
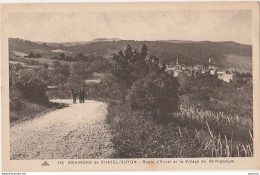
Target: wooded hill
225, 54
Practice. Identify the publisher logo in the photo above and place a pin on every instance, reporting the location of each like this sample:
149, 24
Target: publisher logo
45, 164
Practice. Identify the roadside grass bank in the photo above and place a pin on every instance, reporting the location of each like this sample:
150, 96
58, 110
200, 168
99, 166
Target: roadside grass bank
31, 110
191, 133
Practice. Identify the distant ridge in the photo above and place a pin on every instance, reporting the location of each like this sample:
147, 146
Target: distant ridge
226, 54
117, 39
105, 39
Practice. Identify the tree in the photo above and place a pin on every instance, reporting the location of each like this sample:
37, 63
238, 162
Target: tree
136, 56
78, 75
79, 69
63, 69
55, 64
31, 55
81, 57
140, 68
128, 53
45, 65
155, 94
32, 87
152, 63
122, 68
60, 73
62, 56
144, 51
38, 55
163, 68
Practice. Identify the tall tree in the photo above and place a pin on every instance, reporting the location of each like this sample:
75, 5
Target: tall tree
128, 53
144, 51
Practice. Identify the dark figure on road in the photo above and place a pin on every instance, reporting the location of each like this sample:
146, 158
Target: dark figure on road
82, 95
74, 95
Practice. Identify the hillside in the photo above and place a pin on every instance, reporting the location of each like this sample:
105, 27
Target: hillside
225, 54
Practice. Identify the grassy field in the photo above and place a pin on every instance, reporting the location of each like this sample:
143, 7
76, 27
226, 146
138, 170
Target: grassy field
31, 110
240, 63
192, 133
30, 61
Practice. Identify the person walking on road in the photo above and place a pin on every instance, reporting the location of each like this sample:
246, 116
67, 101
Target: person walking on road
74, 96
82, 95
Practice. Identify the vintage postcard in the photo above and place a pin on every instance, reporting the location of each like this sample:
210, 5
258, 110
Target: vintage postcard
130, 86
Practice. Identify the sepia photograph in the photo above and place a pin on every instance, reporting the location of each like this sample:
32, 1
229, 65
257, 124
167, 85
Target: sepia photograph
122, 85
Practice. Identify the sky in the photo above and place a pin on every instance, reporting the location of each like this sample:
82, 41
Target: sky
224, 25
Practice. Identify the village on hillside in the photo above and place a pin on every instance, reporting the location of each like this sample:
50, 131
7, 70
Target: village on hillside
227, 75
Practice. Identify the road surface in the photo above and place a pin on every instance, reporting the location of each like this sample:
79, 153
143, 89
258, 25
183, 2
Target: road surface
75, 132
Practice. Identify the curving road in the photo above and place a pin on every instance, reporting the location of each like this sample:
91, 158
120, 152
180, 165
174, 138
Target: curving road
75, 132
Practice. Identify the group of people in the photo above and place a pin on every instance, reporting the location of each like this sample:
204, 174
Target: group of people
78, 92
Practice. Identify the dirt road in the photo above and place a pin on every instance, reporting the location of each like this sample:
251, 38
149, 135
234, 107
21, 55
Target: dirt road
75, 132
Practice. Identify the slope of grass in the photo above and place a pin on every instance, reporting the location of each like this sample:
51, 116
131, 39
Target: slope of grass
241, 63
31, 110
192, 133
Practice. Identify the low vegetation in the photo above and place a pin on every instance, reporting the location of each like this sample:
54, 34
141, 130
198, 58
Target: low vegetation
191, 133
195, 125
27, 94
151, 113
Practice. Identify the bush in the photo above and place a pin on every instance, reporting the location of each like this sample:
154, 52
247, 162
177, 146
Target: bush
80, 69
109, 88
98, 64
16, 100
27, 94
155, 94
60, 73
208, 92
32, 88
81, 57
45, 65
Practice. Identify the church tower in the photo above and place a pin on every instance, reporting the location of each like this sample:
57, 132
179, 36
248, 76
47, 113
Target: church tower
210, 60
177, 62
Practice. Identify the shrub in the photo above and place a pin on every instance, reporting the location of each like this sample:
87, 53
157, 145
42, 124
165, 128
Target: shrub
32, 88
109, 88
45, 65
81, 57
38, 55
60, 73
157, 94
79, 69
63, 69
27, 94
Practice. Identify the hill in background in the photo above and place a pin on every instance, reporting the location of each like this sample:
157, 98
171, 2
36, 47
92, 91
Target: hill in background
225, 54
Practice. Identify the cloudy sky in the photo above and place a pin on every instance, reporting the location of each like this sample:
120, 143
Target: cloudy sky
231, 25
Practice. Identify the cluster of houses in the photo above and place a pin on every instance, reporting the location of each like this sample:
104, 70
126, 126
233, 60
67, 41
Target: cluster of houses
227, 75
